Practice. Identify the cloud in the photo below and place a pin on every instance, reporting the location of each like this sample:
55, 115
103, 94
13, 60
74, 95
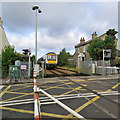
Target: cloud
60, 25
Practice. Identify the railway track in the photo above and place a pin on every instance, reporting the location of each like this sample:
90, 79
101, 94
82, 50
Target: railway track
60, 72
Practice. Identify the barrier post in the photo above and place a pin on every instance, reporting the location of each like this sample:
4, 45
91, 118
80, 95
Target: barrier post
37, 114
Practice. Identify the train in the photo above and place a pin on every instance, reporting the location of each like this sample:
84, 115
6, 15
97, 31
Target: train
51, 60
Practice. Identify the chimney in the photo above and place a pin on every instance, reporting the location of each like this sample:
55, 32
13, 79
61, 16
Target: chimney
82, 40
1, 23
94, 35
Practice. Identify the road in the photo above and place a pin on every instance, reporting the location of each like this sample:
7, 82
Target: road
92, 97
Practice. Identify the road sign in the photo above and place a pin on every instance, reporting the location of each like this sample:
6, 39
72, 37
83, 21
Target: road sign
23, 66
107, 53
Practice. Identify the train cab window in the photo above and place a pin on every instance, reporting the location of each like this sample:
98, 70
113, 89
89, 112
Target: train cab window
51, 57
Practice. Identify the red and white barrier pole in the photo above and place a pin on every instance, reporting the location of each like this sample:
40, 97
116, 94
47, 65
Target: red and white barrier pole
36, 100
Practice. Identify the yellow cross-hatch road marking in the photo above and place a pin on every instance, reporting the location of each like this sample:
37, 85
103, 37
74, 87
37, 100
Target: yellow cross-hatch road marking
18, 93
78, 88
115, 86
90, 101
15, 97
17, 110
58, 86
4, 91
84, 105
21, 88
32, 112
54, 115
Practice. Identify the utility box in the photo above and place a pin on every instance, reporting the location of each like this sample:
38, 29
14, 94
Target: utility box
14, 71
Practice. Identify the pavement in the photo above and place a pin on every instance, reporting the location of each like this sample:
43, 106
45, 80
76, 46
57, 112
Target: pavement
92, 97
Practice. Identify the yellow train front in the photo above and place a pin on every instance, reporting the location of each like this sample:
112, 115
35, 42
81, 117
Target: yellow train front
51, 60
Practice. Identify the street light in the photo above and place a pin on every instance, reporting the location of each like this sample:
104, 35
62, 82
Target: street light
35, 7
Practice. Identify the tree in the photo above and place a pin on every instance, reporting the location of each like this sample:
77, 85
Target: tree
109, 43
9, 56
95, 49
96, 46
63, 58
112, 33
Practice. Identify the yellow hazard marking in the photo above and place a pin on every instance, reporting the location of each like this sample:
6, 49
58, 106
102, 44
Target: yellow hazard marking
54, 115
78, 80
17, 110
32, 112
115, 86
15, 97
72, 90
4, 91
109, 90
90, 101
98, 91
21, 88
103, 79
18, 93
84, 105
55, 86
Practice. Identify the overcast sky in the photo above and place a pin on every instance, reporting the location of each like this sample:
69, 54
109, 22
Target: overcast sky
60, 25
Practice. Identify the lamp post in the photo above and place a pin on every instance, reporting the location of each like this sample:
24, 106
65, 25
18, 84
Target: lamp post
36, 8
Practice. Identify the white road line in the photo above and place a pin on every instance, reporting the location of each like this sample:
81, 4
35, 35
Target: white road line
27, 101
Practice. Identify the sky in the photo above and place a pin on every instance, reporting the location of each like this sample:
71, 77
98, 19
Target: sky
60, 25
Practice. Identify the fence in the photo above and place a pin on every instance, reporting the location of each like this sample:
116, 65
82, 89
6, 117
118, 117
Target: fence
96, 67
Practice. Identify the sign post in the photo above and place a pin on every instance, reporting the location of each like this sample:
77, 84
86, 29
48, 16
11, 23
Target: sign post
106, 54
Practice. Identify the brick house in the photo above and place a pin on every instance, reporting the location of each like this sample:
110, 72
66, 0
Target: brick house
81, 52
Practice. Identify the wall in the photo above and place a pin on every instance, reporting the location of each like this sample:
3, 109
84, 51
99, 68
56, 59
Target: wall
3, 38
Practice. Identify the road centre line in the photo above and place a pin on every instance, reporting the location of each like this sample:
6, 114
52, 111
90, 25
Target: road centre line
5, 90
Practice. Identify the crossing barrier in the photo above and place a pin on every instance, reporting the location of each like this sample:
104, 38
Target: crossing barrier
37, 113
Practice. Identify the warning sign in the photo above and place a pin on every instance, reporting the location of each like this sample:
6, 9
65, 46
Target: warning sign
23, 66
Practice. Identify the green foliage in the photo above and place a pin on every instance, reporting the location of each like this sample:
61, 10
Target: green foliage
63, 58
112, 33
95, 49
109, 43
96, 46
9, 56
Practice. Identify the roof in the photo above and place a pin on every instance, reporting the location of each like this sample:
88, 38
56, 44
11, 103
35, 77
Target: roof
50, 53
87, 42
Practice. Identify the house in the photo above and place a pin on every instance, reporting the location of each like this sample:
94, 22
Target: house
81, 52
3, 38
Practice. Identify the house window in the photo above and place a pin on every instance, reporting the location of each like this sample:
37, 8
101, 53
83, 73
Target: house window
83, 49
78, 50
